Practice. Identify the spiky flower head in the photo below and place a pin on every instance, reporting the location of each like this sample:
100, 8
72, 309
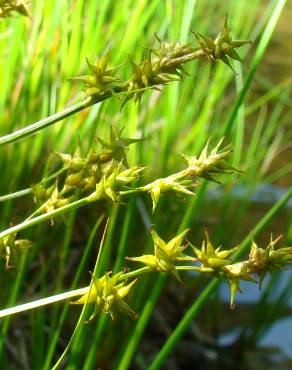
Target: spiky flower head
114, 181
170, 56
210, 162
146, 75
236, 272
102, 81
115, 148
222, 47
108, 294
211, 257
263, 260
166, 255
173, 183
11, 249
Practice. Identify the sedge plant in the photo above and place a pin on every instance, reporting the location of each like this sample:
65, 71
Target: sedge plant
104, 176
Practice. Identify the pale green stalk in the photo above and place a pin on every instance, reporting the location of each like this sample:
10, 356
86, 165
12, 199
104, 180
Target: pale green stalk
23, 192
43, 302
46, 216
46, 122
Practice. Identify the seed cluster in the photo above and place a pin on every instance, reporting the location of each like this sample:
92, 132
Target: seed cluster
107, 294
11, 249
104, 174
100, 170
167, 258
163, 66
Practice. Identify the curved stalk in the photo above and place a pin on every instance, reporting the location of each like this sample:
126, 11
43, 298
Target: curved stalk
46, 122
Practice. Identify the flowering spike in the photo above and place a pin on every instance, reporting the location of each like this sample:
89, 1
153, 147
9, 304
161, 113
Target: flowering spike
210, 163
210, 257
113, 182
115, 148
222, 48
11, 248
175, 183
236, 272
108, 293
165, 254
102, 81
264, 260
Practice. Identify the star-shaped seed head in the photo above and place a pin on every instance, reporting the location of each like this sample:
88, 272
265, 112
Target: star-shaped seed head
115, 148
173, 183
102, 81
210, 257
222, 48
234, 273
169, 57
263, 260
108, 294
166, 255
210, 162
113, 181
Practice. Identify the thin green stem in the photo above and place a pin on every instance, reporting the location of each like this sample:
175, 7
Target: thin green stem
194, 268
264, 41
135, 273
23, 192
82, 315
81, 267
141, 324
43, 302
46, 216
46, 122
17, 194
57, 117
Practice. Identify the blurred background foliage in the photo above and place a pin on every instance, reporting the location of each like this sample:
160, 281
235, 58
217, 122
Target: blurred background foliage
38, 56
